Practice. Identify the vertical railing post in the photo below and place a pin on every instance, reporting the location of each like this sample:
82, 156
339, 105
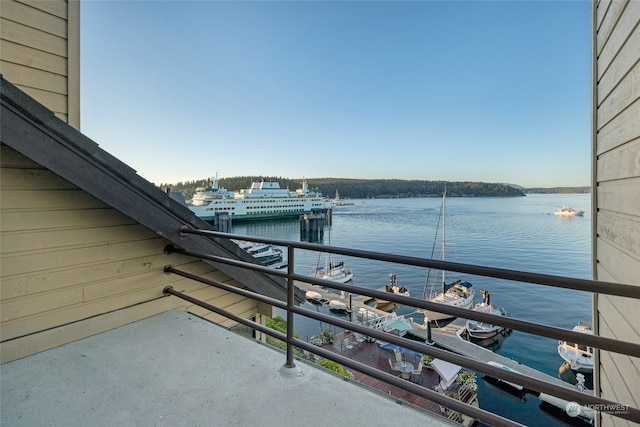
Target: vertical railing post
290, 302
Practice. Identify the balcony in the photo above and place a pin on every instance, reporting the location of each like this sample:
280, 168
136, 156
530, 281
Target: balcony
178, 369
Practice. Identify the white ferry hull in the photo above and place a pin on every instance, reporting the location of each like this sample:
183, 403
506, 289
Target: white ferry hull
264, 200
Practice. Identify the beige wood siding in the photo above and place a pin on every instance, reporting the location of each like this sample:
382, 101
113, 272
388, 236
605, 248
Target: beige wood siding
616, 170
71, 266
40, 53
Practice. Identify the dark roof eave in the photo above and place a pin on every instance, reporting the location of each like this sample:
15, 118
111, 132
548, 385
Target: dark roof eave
71, 155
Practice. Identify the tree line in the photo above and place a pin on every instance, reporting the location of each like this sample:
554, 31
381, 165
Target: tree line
365, 188
559, 190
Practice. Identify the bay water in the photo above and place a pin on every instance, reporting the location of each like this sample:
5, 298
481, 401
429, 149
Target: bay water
520, 233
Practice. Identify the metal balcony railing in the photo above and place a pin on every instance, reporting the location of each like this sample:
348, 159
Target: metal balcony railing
530, 383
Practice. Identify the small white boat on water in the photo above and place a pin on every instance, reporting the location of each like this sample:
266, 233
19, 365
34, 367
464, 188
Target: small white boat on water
578, 356
482, 330
567, 211
458, 294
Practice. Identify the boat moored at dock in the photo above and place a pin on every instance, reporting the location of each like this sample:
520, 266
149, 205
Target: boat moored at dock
393, 288
458, 293
263, 253
263, 200
578, 356
481, 330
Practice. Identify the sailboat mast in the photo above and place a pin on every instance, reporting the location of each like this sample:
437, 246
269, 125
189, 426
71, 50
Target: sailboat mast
444, 231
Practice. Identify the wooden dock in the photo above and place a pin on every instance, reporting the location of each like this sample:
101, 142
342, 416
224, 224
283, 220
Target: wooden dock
369, 353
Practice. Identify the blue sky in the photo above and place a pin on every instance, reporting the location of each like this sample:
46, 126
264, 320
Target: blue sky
435, 90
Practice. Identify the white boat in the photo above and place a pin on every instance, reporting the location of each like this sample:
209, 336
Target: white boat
567, 211
482, 330
393, 288
337, 201
263, 200
337, 305
578, 356
313, 296
262, 252
458, 293
333, 270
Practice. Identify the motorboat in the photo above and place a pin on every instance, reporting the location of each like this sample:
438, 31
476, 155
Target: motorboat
482, 330
567, 211
458, 293
313, 297
339, 306
578, 356
393, 288
264, 253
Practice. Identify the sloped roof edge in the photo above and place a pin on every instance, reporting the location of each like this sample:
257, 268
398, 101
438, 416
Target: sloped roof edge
35, 132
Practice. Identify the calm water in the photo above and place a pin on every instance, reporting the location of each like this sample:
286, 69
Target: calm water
514, 233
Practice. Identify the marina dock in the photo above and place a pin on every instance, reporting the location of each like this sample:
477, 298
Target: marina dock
446, 337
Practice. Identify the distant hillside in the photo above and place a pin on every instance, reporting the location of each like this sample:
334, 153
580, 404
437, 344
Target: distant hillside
366, 188
558, 190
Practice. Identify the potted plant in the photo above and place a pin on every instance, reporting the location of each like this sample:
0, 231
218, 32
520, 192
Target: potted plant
426, 361
467, 380
327, 337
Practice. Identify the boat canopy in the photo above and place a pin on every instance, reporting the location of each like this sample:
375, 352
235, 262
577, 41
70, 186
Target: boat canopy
460, 283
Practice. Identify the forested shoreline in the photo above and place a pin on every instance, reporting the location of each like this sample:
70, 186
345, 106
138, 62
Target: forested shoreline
365, 188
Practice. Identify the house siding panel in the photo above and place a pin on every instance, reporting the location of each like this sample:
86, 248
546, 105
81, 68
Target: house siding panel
623, 95
68, 258
616, 169
40, 53
620, 51
29, 15
624, 128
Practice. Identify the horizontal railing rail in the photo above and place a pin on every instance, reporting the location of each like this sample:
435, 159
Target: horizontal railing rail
540, 386
593, 286
604, 343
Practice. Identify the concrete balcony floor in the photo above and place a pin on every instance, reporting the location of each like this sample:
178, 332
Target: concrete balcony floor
176, 369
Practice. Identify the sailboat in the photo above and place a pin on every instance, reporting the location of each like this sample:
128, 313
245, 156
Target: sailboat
333, 269
458, 293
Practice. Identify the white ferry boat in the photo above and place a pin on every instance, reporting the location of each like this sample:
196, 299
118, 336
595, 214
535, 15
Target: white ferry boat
264, 200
